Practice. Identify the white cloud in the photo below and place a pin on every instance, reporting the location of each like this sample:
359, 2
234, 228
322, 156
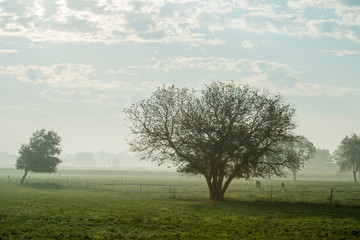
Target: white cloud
63, 95
104, 100
121, 71
248, 45
341, 53
68, 80
25, 107
316, 89
277, 77
8, 51
59, 75
36, 10
211, 64
194, 22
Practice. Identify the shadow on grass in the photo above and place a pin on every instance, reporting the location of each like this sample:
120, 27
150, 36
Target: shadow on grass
266, 209
53, 186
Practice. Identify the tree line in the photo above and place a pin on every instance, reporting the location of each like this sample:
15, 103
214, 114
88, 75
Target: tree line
223, 132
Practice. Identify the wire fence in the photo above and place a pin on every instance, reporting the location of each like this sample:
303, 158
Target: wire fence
322, 192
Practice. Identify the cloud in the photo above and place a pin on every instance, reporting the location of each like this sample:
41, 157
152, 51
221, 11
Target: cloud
59, 75
25, 107
341, 53
179, 63
277, 77
247, 44
72, 76
121, 71
8, 51
317, 89
108, 22
100, 96
194, 22
64, 95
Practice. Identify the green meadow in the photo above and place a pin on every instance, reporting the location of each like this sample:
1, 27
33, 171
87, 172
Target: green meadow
149, 205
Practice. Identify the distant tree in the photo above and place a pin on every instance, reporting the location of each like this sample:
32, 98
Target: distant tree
84, 159
347, 155
222, 133
322, 162
293, 154
322, 156
41, 154
299, 151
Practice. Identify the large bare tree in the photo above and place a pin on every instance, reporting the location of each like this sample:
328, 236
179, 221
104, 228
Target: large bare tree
222, 132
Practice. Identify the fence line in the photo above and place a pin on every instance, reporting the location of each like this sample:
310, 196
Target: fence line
332, 193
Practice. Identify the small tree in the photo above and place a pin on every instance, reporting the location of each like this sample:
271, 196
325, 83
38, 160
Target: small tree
347, 155
222, 133
41, 154
300, 150
293, 154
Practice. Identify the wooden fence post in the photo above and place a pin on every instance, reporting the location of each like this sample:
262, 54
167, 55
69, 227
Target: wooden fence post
331, 195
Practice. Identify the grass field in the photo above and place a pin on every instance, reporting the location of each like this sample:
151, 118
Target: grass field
130, 205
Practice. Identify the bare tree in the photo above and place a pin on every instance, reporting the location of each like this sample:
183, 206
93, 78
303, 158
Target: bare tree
222, 133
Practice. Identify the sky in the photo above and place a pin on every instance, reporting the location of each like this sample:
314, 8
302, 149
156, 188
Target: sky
73, 66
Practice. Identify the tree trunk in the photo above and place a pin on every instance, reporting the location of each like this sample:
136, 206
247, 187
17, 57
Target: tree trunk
216, 194
294, 173
23, 178
215, 188
355, 180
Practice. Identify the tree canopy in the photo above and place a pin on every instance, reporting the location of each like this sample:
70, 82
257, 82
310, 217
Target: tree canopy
347, 155
40, 155
300, 150
293, 154
222, 132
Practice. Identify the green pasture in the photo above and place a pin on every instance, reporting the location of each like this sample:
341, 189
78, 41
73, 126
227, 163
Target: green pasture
141, 205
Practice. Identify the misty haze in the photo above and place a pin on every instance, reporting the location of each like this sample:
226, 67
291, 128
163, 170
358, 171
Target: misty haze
179, 119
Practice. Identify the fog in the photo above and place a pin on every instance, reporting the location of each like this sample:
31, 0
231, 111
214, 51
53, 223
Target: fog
100, 160
320, 164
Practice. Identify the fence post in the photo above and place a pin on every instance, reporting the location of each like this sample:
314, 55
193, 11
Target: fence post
271, 193
331, 195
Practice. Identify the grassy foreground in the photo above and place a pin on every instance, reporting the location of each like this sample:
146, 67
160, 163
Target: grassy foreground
53, 211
